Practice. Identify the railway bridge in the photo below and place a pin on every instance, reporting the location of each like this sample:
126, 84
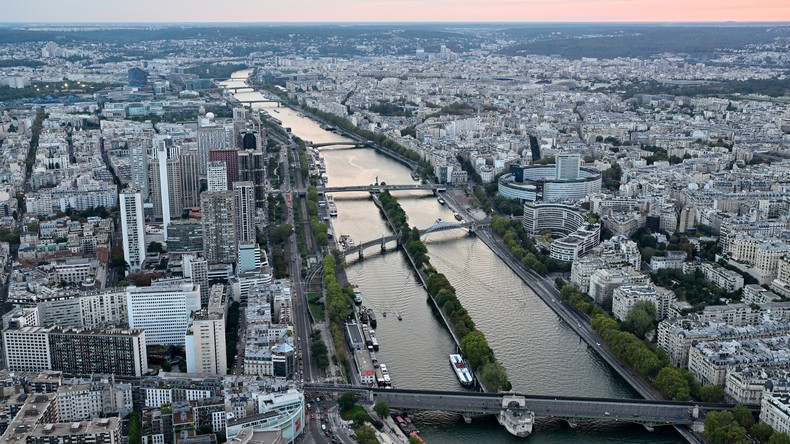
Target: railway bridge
572, 409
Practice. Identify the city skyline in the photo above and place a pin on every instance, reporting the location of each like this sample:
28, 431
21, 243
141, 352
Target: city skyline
525, 11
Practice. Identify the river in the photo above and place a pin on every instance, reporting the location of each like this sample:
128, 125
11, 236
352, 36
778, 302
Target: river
542, 355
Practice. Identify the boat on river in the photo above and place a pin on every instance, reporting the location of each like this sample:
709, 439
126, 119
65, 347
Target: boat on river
462, 371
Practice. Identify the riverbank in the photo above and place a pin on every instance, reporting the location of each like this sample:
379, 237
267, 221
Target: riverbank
491, 375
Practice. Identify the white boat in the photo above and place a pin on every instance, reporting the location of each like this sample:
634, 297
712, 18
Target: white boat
330, 204
514, 416
462, 371
357, 295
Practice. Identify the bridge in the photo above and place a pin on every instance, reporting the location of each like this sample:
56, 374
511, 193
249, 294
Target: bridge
261, 101
376, 188
384, 240
572, 409
237, 88
348, 144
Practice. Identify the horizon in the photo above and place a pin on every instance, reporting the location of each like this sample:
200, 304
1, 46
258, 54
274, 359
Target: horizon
400, 11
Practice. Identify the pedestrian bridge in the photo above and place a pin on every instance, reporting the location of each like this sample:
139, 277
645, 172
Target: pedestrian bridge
571, 409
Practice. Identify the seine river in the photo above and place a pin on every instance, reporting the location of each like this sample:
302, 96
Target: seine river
542, 355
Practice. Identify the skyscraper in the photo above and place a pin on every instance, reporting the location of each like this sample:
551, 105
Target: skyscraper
244, 219
132, 228
166, 183
217, 176
210, 138
240, 116
219, 234
252, 168
231, 159
190, 178
138, 162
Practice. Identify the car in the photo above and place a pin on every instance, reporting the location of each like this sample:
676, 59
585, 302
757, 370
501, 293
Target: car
598, 344
312, 416
605, 413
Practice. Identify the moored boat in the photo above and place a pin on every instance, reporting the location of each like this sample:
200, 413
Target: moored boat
462, 371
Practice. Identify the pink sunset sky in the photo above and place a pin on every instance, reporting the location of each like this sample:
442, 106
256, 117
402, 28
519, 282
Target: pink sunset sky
394, 10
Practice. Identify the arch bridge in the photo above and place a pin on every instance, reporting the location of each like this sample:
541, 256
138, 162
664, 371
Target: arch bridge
384, 240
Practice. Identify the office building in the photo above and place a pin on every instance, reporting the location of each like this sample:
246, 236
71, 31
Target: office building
137, 77
556, 217
132, 229
185, 236
219, 234
162, 311
527, 182
567, 166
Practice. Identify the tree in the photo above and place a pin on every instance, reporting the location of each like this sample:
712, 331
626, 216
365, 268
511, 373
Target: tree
494, 377
711, 393
672, 382
346, 401
414, 440
640, 319
382, 409
743, 416
360, 418
155, 247
366, 435
134, 428
721, 428
475, 347
602, 323
761, 431
779, 438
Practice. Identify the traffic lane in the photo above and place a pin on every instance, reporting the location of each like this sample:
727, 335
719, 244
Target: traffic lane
670, 414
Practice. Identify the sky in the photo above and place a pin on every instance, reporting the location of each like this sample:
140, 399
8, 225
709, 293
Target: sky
393, 10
